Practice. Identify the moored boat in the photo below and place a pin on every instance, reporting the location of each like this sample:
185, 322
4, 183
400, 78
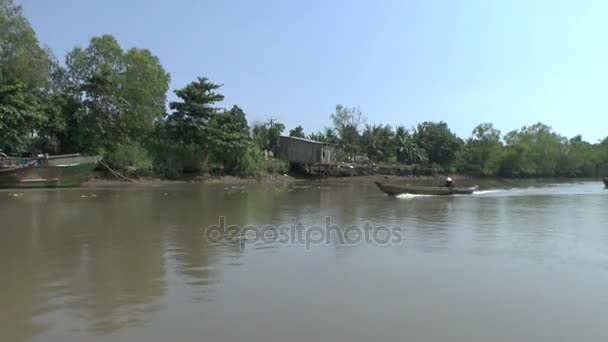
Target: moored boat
424, 190
605, 181
66, 170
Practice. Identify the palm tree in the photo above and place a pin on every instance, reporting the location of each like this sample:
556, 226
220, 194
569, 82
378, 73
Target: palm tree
317, 136
349, 139
330, 136
406, 148
377, 141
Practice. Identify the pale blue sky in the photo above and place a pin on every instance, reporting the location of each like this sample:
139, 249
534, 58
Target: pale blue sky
511, 62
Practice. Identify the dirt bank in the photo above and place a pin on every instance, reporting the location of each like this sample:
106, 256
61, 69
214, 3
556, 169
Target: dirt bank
343, 173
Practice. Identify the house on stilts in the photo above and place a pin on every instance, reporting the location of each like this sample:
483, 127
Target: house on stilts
309, 156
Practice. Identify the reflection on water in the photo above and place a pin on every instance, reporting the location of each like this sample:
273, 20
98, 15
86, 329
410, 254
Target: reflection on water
513, 263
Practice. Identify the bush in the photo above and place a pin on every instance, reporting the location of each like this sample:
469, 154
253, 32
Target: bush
277, 166
130, 158
249, 162
166, 162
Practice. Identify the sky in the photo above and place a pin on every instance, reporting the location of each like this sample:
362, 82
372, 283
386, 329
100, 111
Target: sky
511, 62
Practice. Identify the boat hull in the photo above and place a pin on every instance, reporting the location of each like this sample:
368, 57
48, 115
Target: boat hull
423, 190
51, 172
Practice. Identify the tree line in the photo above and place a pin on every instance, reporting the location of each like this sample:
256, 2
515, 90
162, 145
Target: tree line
532, 151
105, 99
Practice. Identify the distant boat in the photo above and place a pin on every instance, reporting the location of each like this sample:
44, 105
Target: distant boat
424, 190
68, 170
605, 181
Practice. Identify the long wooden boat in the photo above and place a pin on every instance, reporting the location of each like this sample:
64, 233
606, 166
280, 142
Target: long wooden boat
605, 181
423, 190
66, 170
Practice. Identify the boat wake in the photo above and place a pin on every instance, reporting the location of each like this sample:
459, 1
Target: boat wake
485, 192
410, 196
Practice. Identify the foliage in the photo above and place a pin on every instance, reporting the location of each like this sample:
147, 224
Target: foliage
130, 157
319, 136
192, 124
482, 152
121, 94
377, 142
228, 136
297, 132
266, 136
276, 166
532, 151
579, 159
438, 141
20, 115
249, 161
406, 149
22, 59
346, 124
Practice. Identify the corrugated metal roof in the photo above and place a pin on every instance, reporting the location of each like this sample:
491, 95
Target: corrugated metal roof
306, 140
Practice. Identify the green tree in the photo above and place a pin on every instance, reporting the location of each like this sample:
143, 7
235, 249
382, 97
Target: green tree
22, 59
377, 142
20, 115
406, 149
330, 136
319, 136
297, 132
259, 135
229, 137
483, 150
275, 130
145, 87
532, 151
579, 159
121, 94
601, 152
266, 136
190, 123
26, 84
439, 143
346, 123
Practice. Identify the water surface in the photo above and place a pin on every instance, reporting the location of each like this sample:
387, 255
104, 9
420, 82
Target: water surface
516, 262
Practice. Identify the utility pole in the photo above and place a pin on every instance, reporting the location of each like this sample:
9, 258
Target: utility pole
272, 121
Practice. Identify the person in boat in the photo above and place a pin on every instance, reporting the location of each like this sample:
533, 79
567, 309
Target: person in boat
449, 183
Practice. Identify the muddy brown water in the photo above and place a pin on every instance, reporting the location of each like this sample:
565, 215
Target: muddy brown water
515, 262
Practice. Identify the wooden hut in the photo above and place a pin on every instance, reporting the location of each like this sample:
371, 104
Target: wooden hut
313, 156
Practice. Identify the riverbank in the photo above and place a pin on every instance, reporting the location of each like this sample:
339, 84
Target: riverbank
344, 173
280, 172
103, 179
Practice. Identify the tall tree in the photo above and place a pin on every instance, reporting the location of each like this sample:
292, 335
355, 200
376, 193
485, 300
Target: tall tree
319, 136
20, 115
122, 94
438, 141
377, 141
228, 136
26, 83
579, 159
483, 149
532, 151
407, 151
297, 132
330, 136
191, 116
22, 58
346, 123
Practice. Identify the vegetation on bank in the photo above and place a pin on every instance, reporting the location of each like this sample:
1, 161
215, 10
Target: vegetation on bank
107, 100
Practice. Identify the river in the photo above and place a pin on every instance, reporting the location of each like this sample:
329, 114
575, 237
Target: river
515, 262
